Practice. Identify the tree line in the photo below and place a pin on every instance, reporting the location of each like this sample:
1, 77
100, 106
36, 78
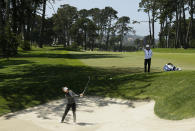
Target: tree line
24, 22
89, 29
176, 29
17, 24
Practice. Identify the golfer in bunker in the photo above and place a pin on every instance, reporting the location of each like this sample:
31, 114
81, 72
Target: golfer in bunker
71, 103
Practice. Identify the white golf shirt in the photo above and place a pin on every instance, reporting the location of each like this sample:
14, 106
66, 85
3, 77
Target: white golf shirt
148, 54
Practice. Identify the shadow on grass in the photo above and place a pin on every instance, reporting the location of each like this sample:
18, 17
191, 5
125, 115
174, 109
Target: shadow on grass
5, 63
38, 84
122, 87
71, 56
65, 49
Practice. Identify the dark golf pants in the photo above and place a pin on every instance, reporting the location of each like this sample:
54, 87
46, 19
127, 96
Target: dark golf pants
147, 62
68, 106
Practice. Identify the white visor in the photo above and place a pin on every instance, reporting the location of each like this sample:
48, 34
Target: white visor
65, 88
147, 46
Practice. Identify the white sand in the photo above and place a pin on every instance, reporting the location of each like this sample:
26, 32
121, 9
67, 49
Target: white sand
93, 114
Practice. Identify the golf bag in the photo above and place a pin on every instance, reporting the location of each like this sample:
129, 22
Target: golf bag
170, 67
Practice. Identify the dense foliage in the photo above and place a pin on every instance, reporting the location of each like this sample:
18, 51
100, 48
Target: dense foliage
176, 29
23, 23
88, 29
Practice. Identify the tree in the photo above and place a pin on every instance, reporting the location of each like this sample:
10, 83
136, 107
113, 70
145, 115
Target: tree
2, 25
190, 31
95, 14
138, 43
123, 28
8, 40
16, 18
167, 9
63, 21
108, 16
49, 32
150, 7
175, 28
84, 32
83, 13
92, 34
42, 25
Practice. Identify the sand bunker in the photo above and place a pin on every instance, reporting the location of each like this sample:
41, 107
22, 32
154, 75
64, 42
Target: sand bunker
93, 114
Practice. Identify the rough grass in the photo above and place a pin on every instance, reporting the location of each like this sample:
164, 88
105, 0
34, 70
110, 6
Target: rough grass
37, 76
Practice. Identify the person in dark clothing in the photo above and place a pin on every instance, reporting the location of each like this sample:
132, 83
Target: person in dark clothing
147, 62
71, 103
148, 57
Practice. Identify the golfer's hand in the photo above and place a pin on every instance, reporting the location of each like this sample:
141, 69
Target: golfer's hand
81, 95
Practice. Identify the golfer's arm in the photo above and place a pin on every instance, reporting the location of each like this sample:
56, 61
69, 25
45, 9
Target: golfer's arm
75, 95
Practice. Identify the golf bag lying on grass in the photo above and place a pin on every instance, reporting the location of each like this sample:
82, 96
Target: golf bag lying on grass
171, 67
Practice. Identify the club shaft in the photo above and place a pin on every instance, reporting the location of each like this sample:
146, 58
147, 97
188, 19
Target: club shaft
86, 86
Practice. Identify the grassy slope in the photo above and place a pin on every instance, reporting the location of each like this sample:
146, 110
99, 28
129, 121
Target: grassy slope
33, 78
173, 91
36, 77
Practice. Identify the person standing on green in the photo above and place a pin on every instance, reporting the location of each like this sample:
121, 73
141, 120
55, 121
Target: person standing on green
147, 59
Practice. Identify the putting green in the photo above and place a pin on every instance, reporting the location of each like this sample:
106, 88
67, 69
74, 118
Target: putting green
136, 59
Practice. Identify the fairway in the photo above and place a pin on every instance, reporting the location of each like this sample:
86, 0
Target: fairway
37, 76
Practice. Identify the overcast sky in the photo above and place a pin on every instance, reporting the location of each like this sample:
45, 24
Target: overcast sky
124, 8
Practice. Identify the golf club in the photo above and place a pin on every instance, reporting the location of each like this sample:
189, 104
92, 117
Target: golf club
86, 85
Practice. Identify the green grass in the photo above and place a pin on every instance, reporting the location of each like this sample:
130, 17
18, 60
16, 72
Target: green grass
135, 59
37, 76
173, 50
